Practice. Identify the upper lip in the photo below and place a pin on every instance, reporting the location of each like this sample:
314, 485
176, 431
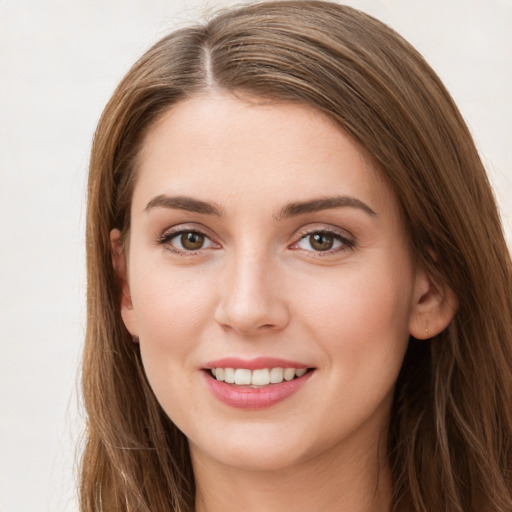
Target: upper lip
254, 364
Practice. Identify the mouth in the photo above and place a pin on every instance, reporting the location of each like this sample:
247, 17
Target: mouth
257, 378
255, 383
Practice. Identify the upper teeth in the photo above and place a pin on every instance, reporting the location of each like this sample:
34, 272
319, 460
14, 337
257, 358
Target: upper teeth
262, 377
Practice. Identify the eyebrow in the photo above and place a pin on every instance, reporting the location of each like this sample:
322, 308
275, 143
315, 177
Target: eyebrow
294, 209
186, 203
323, 203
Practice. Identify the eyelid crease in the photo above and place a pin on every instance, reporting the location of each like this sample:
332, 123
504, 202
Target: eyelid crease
169, 235
322, 228
186, 227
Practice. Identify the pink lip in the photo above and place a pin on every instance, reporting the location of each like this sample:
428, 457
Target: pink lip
246, 397
254, 364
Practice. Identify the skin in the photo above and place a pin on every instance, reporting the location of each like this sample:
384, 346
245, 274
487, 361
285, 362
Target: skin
258, 287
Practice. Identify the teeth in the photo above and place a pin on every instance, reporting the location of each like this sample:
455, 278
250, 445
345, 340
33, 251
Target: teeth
229, 375
242, 377
289, 373
276, 375
260, 377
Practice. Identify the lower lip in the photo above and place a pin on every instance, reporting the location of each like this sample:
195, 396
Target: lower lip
244, 397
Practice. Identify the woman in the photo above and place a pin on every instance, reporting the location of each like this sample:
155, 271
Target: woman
299, 294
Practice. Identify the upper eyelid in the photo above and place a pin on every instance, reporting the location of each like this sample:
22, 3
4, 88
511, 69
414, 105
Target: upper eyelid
322, 228
187, 227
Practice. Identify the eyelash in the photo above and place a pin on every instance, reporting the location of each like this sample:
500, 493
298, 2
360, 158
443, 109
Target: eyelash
345, 242
166, 238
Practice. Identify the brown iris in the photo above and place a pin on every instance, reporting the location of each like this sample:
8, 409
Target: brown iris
192, 241
321, 241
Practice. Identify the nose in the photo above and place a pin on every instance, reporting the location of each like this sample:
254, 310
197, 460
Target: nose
252, 298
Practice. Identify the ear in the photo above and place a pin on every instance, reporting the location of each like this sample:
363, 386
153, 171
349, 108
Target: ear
120, 264
434, 305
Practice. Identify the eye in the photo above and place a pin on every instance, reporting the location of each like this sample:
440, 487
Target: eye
323, 241
186, 241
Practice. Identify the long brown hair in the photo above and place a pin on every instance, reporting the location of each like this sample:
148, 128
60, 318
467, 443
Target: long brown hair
450, 437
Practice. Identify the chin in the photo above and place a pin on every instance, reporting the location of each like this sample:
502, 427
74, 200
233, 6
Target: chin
253, 451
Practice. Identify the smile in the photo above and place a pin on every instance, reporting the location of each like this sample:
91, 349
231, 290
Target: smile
255, 384
259, 377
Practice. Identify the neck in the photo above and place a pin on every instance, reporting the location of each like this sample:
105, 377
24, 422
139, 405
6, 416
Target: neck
347, 482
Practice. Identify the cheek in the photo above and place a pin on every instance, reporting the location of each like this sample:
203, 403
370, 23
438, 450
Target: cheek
360, 324
166, 299
357, 297
361, 317
172, 309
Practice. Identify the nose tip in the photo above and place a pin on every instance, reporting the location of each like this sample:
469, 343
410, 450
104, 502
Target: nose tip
246, 317
251, 303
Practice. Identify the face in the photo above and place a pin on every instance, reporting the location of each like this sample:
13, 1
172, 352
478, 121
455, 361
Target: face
266, 249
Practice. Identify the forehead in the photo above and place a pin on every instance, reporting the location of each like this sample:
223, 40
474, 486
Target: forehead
222, 148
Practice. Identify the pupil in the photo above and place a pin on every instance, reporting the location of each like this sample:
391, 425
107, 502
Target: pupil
321, 242
192, 241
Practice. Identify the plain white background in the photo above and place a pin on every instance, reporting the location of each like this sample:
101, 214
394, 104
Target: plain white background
59, 62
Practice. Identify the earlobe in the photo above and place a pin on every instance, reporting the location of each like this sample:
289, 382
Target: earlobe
120, 265
434, 306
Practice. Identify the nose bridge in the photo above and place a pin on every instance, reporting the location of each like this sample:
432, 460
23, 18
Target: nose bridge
250, 299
